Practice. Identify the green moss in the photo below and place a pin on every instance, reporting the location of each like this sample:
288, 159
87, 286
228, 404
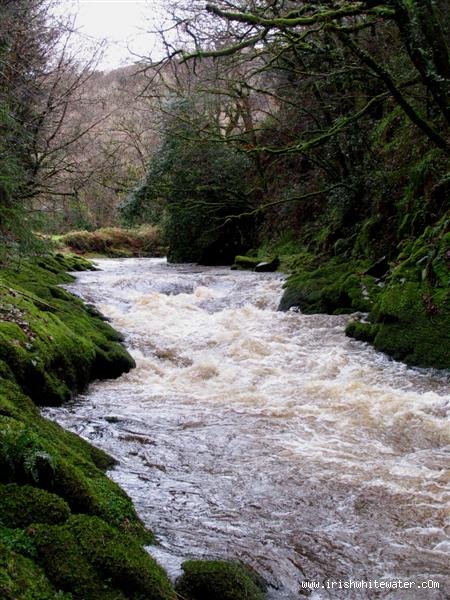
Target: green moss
72, 484
116, 509
335, 286
24, 456
94, 561
414, 324
65, 566
205, 580
22, 579
411, 319
40, 453
245, 262
364, 332
52, 343
293, 256
17, 540
21, 505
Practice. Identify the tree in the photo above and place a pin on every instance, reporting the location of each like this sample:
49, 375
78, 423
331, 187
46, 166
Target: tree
22, 55
40, 83
192, 184
256, 28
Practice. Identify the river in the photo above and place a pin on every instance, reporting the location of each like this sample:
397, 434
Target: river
269, 437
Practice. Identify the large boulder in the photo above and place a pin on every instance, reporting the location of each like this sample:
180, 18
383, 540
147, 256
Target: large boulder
268, 266
218, 580
245, 262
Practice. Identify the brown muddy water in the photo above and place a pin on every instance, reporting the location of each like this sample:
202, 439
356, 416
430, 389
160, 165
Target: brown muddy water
269, 437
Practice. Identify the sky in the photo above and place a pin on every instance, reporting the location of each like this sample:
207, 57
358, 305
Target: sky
124, 24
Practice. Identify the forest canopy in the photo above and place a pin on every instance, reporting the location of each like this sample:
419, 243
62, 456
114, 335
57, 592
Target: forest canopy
262, 118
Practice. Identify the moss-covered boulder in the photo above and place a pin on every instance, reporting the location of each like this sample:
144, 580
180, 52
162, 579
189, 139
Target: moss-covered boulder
50, 342
92, 560
21, 505
245, 262
334, 286
218, 580
411, 319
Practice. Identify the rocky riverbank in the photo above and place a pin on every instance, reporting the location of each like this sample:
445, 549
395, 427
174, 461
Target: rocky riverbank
407, 298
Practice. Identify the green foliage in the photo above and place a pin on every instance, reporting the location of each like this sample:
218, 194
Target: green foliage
14, 232
194, 182
10, 169
16, 132
411, 318
204, 580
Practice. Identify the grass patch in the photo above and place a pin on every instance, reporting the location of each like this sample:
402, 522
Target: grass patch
116, 242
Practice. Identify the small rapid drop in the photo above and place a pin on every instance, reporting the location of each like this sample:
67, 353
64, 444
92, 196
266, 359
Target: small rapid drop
268, 437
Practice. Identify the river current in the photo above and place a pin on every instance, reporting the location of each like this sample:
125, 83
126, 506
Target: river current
269, 437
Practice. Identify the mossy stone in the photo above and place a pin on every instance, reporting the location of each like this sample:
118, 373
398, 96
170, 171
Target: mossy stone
22, 579
218, 580
333, 287
245, 262
93, 561
21, 505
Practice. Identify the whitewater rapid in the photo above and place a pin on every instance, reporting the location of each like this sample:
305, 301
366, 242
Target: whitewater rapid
268, 437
